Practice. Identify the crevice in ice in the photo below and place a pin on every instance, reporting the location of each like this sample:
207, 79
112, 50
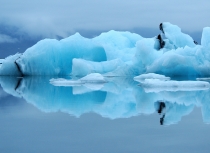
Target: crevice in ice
195, 42
162, 43
161, 27
161, 107
18, 67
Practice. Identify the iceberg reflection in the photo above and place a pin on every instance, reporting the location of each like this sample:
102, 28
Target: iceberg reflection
119, 97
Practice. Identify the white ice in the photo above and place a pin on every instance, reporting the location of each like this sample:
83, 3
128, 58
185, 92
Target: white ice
156, 85
93, 81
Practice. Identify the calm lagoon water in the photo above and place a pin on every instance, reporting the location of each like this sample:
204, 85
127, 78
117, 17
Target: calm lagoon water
119, 116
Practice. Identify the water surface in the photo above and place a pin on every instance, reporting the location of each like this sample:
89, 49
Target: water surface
121, 116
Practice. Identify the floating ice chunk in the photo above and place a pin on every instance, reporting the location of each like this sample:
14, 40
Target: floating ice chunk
156, 85
81, 67
143, 77
92, 81
175, 36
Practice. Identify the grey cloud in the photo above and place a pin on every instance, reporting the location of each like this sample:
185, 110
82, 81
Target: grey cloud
7, 39
51, 18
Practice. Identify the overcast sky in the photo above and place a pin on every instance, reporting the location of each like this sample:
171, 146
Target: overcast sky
52, 17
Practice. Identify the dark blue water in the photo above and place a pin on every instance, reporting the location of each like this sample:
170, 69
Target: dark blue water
121, 116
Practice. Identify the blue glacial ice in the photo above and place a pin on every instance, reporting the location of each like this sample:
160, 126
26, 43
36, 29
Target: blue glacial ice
115, 53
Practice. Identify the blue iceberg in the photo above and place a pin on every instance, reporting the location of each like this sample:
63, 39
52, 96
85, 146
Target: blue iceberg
115, 53
84, 74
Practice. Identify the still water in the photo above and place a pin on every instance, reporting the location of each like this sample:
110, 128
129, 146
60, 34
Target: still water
118, 116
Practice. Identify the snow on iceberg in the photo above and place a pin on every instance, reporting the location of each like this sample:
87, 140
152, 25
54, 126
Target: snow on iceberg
115, 53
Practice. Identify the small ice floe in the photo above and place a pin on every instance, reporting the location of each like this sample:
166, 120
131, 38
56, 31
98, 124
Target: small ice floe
152, 82
94, 81
143, 77
156, 85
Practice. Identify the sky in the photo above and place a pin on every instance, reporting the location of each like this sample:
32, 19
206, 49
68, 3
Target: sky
58, 19
51, 18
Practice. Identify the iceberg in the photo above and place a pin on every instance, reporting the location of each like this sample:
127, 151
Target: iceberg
115, 53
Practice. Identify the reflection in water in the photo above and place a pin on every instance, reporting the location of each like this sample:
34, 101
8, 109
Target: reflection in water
118, 98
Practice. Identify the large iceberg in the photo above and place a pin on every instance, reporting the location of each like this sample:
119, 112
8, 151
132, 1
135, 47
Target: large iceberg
85, 70
115, 53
